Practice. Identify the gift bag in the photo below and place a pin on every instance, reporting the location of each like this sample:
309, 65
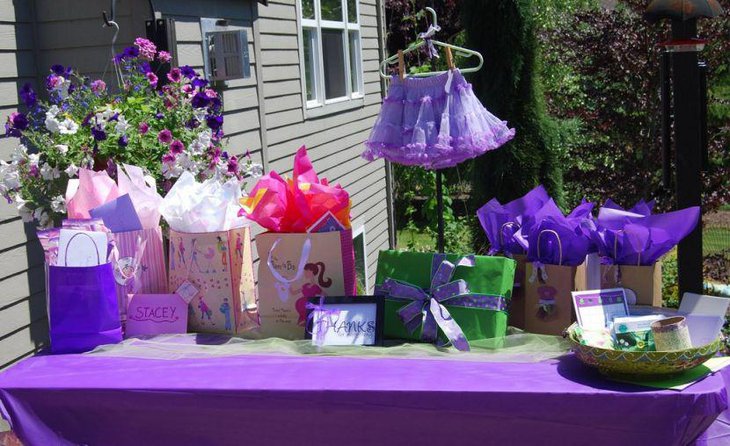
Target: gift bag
548, 299
83, 310
457, 298
644, 281
153, 314
296, 267
219, 266
140, 265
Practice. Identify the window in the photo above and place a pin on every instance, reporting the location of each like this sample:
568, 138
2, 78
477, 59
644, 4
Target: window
331, 53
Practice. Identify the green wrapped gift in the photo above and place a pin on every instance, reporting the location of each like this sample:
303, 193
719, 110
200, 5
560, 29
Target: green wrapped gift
444, 295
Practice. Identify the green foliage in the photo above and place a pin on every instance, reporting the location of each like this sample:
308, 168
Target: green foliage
504, 31
670, 283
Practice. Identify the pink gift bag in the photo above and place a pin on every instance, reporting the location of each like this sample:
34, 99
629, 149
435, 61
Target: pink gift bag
296, 267
220, 267
140, 265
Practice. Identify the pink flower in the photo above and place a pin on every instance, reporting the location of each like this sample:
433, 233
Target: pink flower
187, 89
164, 56
175, 75
98, 86
147, 49
143, 128
168, 158
165, 136
152, 77
211, 93
177, 147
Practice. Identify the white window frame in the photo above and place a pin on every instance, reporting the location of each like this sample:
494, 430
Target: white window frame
358, 228
320, 105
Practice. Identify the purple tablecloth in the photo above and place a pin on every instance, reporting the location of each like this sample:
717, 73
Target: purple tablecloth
269, 400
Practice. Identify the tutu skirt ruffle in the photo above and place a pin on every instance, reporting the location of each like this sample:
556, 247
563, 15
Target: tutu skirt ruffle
434, 122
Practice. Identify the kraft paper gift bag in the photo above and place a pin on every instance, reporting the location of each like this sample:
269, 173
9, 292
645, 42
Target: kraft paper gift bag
436, 295
83, 312
140, 265
644, 281
296, 267
219, 266
517, 304
548, 300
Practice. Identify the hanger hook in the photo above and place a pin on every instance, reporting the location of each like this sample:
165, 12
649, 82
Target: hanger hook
434, 18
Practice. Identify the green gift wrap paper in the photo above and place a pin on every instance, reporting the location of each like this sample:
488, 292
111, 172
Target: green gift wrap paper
489, 276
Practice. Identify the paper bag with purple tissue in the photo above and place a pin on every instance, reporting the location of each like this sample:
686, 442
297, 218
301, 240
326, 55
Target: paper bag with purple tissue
130, 209
83, 311
210, 255
152, 314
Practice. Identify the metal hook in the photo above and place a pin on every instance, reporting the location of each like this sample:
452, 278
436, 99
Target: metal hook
434, 18
108, 21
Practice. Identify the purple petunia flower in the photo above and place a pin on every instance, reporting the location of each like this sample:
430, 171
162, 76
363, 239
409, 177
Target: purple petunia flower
123, 141
177, 147
214, 121
17, 122
175, 75
169, 158
99, 133
187, 71
233, 165
152, 78
86, 120
60, 70
192, 123
143, 128
200, 83
131, 52
98, 86
165, 136
164, 56
200, 100
27, 94
147, 49
160, 115
145, 67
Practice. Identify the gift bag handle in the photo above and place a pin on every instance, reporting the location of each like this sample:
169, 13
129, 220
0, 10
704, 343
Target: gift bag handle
303, 258
65, 255
560, 244
501, 231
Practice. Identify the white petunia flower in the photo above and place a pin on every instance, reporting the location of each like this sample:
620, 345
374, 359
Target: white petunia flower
26, 214
20, 153
58, 204
62, 148
42, 216
68, 127
205, 137
9, 177
52, 124
72, 170
34, 159
49, 173
122, 125
200, 114
52, 111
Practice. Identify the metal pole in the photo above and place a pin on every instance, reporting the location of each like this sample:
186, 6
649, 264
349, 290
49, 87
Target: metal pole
688, 153
440, 242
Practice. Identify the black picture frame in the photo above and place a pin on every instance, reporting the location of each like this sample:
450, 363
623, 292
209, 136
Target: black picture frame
378, 301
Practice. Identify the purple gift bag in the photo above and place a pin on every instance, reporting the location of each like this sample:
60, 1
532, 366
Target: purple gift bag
82, 308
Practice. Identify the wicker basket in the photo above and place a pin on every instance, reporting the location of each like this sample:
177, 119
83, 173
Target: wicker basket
641, 364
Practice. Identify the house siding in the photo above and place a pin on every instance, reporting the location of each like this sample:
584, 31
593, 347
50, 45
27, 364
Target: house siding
264, 115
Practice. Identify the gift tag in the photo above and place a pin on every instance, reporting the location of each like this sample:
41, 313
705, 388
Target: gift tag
327, 223
187, 291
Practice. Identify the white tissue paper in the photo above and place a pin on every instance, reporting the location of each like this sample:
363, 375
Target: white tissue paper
210, 206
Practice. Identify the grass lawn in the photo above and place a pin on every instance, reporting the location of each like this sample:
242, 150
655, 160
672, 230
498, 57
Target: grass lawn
715, 240
419, 240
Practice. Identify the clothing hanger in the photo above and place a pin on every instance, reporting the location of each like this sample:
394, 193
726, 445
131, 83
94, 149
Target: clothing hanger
425, 39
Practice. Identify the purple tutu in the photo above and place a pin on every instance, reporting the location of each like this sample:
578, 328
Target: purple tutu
434, 122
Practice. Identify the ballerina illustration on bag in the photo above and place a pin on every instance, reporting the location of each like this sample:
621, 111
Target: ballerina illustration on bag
314, 282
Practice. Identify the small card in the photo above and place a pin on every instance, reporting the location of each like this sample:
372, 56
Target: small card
81, 248
119, 215
327, 223
633, 333
345, 320
152, 314
187, 291
705, 316
595, 309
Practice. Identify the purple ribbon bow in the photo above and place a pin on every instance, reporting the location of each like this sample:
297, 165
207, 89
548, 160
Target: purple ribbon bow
324, 313
427, 309
427, 36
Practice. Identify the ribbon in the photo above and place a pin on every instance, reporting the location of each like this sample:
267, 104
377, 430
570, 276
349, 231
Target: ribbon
427, 37
323, 312
427, 309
